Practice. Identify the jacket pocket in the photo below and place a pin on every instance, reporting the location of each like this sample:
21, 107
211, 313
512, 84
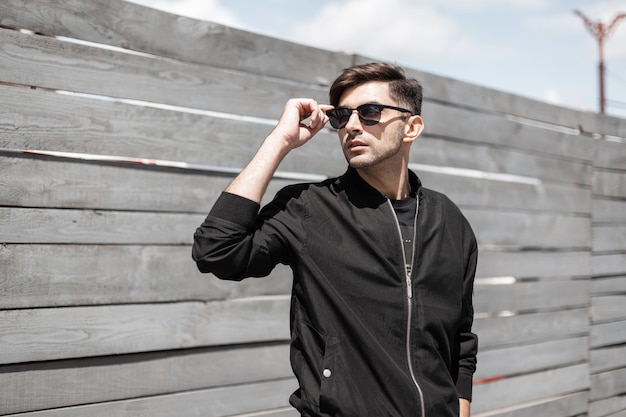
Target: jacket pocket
340, 393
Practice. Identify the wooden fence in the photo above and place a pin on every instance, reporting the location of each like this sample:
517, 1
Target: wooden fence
119, 126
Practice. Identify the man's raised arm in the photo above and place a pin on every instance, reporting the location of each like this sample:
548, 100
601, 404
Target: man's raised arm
288, 134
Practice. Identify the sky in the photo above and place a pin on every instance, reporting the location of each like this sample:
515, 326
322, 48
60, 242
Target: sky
535, 48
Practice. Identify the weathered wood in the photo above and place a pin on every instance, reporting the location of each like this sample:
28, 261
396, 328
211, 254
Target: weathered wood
608, 358
513, 229
525, 328
494, 129
215, 402
608, 285
97, 227
608, 308
608, 211
45, 120
127, 25
28, 387
75, 184
75, 275
527, 388
434, 148
609, 184
608, 407
59, 333
608, 384
606, 265
610, 155
517, 360
565, 406
464, 94
509, 195
532, 296
533, 264
516, 229
609, 238
35, 61
608, 334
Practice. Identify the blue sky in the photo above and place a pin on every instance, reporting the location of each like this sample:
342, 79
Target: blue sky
536, 48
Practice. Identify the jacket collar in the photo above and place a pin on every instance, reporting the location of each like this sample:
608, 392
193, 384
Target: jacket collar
363, 194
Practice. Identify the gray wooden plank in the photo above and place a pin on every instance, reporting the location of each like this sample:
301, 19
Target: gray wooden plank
35, 61
531, 296
522, 329
610, 155
465, 94
498, 130
527, 388
61, 333
45, 120
496, 194
608, 384
607, 407
24, 225
609, 238
608, 285
561, 406
492, 154
608, 308
27, 387
214, 402
609, 183
127, 25
533, 264
607, 334
497, 363
608, 358
606, 265
76, 184
529, 230
607, 211
72, 275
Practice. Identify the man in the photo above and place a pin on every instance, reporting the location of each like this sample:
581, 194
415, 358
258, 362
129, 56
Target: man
381, 310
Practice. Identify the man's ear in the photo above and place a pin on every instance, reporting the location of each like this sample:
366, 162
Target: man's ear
413, 128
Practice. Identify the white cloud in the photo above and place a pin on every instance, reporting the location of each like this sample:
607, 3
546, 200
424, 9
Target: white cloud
402, 31
573, 97
209, 10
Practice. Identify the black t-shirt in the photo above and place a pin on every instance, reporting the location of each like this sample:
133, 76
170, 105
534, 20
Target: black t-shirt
405, 211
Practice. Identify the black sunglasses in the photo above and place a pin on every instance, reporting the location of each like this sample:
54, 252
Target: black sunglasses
369, 114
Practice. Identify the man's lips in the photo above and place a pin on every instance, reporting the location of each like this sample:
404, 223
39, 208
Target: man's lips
355, 143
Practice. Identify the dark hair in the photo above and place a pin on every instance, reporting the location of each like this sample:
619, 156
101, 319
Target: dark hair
407, 92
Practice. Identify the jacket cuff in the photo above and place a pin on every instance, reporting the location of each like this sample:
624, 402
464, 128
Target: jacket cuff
464, 386
236, 209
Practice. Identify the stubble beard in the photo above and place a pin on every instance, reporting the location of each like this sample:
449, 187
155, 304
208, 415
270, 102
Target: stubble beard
372, 159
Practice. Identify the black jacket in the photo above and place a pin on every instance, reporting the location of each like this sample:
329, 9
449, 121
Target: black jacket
362, 344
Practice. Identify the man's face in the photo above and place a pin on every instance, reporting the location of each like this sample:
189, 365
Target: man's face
371, 146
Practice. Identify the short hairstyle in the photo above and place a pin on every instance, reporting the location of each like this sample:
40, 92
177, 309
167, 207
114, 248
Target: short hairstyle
406, 91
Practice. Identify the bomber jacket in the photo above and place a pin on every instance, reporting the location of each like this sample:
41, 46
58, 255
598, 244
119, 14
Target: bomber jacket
367, 339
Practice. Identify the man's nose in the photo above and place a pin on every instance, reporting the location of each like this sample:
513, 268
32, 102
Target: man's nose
354, 122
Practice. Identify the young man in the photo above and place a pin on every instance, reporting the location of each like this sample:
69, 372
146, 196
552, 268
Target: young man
381, 311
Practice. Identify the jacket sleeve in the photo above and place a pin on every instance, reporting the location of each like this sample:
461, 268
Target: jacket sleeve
234, 243
468, 341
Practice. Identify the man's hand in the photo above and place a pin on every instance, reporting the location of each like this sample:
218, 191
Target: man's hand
290, 127
289, 133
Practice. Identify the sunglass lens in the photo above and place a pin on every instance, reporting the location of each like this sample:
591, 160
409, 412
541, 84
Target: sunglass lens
369, 114
339, 117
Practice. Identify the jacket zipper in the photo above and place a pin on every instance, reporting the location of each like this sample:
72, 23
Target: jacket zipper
409, 291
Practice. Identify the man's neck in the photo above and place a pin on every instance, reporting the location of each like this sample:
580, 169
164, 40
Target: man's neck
392, 184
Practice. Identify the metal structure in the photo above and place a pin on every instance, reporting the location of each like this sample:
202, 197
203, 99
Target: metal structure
601, 32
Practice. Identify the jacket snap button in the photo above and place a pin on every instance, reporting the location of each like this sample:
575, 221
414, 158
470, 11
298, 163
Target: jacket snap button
327, 373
